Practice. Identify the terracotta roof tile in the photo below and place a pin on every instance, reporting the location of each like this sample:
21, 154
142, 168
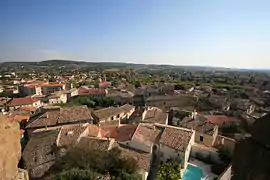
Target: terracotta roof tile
176, 138
113, 111
221, 119
70, 134
21, 101
155, 115
93, 130
63, 115
146, 134
198, 125
125, 132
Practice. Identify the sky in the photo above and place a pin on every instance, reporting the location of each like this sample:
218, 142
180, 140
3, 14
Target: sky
224, 33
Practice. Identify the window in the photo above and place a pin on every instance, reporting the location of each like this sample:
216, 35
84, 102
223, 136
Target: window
201, 138
118, 115
112, 118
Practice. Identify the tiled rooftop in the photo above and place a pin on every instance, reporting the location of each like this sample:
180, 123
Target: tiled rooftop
125, 132
113, 111
70, 134
198, 125
21, 101
176, 138
63, 115
146, 134
155, 115
222, 119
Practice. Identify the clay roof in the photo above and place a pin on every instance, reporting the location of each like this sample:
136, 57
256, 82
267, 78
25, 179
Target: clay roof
91, 91
222, 119
176, 138
39, 154
21, 101
109, 130
125, 132
113, 111
93, 130
70, 134
32, 109
198, 125
143, 159
60, 116
146, 134
155, 115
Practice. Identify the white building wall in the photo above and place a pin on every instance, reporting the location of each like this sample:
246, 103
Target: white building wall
187, 153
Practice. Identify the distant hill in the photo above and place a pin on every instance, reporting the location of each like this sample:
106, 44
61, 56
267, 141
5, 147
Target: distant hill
83, 64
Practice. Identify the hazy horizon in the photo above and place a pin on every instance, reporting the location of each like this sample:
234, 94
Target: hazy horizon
225, 33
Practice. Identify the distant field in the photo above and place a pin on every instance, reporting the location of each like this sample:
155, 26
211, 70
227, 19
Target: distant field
112, 70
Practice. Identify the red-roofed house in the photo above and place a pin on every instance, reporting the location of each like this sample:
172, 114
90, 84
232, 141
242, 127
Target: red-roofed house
222, 119
28, 101
48, 88
141, 138
104, 84
93, 92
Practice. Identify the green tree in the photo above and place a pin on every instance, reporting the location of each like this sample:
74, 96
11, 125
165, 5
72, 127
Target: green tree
81, 163
78, 174
169, 171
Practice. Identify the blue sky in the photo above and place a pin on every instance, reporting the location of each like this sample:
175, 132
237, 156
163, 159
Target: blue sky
227, 33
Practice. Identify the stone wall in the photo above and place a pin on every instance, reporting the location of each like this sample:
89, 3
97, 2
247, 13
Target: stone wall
10, 148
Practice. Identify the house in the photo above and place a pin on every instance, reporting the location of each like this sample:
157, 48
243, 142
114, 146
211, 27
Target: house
48, 88
28, 101
69, 135
205, 132
175, 143
166, 102
39, 154
59, 97
104, 84
143, 159
60, 116
114, 113
154, 115
222, 119
121, 96
89, 92
141, 137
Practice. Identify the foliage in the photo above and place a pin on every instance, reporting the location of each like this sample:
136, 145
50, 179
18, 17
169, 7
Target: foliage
6, 94
90, 163
91, 102
169, 171
78, 174
225, 155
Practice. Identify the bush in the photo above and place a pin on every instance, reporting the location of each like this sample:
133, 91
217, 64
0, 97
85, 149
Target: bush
169, 171
92, 163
